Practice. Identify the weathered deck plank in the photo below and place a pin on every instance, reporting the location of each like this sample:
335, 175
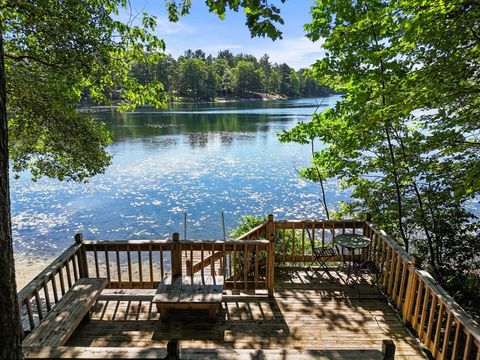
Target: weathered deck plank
306, 314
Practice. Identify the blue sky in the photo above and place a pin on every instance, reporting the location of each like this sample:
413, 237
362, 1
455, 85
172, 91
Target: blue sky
204, 30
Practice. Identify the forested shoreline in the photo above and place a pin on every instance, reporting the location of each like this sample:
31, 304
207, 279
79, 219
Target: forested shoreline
195, 76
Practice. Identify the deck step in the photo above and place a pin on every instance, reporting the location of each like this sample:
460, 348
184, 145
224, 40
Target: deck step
279, 354
66, 352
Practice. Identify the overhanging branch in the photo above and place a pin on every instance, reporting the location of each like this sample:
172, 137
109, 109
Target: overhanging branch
33, 58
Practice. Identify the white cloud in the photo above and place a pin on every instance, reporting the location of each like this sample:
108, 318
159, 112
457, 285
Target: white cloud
296, 52
214, 49
165, 27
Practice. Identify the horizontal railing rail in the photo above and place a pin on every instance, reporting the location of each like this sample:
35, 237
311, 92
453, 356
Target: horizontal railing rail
258, 232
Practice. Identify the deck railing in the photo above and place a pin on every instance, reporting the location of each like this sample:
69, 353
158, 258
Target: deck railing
248, 264
293, 237
136, 264
38, 297
441, 324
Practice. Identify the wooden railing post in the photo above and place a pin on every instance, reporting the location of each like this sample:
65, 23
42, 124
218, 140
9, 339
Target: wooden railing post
271, 256
388, 349
188, 267
368, 219
82, 257
410, 291
271, 266
270, 228
176, 256
173, 350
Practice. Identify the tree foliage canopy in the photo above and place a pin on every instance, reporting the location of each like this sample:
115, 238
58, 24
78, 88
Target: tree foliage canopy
262, 16
54, 50
405, 137
195, 76
50, 52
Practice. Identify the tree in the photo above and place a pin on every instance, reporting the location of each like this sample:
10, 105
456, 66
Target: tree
273, 81
266, 68
309, 87
211, 83
223, 75
166, 72
289, 81
163, 70
247, 77
199, 54
247, 58
265, 64
193, 75
187, 54
228, 56
405, 137
51, 51
227, 82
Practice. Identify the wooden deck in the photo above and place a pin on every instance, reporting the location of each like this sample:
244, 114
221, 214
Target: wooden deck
306, 319
305, 314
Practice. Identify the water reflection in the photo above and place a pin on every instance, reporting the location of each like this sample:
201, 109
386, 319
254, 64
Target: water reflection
196, 158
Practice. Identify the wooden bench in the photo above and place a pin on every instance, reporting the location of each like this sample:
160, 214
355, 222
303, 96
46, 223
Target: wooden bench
189, 292
65, 316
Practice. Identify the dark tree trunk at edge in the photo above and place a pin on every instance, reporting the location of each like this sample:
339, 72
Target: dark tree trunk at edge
10, 338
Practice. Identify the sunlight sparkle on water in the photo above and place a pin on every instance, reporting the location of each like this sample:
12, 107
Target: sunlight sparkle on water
203, 162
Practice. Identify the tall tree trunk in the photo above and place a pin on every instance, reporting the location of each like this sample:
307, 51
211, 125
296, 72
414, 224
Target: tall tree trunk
423, 213
395, 174
320, 180
10, 337
397, 189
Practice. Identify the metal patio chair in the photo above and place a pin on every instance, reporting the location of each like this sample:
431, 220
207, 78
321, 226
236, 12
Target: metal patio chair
322, 254
372, 270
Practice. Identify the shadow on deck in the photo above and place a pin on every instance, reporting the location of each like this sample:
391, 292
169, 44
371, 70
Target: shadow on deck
306, 314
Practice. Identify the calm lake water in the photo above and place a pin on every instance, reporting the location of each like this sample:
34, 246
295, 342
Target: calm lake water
199, 159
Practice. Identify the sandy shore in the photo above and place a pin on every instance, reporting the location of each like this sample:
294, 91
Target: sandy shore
27, 267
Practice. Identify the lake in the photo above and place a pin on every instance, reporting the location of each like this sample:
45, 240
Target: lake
198, 159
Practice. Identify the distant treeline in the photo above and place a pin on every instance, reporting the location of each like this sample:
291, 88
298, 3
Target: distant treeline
198, 77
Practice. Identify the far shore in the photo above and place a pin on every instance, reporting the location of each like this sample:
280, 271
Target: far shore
256, 97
